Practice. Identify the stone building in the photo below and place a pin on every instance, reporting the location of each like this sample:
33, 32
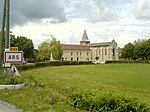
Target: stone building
86, 51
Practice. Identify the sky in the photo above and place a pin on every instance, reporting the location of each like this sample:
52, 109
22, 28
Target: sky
104, 20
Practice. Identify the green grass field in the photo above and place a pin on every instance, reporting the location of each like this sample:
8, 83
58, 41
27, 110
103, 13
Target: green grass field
55, 83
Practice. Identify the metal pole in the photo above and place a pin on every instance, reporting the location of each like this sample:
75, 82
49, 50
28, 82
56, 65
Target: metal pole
7, 39
2, 35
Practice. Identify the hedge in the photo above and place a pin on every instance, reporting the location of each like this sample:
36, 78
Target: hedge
51, 63
127, 61
106, 102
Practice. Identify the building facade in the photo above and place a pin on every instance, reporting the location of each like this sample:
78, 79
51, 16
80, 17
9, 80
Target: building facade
86, 51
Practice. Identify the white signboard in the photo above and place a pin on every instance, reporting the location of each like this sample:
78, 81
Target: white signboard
13, 57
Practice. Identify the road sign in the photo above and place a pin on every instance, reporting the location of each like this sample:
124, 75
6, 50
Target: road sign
15, 71
13, 57
14, 49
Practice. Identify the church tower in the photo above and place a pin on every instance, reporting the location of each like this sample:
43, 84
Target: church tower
85, 40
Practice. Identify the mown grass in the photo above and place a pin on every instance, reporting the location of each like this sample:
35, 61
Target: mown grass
52, 85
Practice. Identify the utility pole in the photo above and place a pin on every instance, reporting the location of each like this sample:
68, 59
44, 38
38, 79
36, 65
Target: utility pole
7, 38
2, 35
5, 23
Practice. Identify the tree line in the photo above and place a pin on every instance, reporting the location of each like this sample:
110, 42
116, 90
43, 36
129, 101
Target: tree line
42, 53
44, 49
139, 49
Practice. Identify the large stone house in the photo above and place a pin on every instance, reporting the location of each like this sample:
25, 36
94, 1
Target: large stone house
86, 51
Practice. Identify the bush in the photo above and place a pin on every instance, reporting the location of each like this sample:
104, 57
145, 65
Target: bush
127, 61
51, 63
25, 66
11, 80
105, 102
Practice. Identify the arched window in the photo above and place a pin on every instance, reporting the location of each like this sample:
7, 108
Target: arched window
113, 51
105, 51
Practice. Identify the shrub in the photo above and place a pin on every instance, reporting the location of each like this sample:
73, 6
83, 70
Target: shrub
25, 66
127, 61
105, 102
11, 80
51, 63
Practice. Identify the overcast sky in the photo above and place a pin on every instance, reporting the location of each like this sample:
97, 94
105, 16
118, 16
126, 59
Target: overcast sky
104, 20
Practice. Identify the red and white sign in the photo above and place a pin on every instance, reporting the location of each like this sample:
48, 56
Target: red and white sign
13, 57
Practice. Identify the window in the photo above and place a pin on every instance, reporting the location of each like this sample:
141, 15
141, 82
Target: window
77, 59
105, 51
80, 53
102, 55
87, 59
113, 51
87, 53
71, 59
71, 52
77, 53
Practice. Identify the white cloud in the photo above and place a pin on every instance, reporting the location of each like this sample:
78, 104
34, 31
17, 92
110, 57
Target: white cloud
72, 31
104, 20
69, 32
143, 9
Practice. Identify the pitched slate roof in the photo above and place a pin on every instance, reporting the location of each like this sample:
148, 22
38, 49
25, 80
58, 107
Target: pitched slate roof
74, 47
102, 43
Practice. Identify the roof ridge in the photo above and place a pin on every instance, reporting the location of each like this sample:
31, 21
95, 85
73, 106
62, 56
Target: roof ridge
100, 42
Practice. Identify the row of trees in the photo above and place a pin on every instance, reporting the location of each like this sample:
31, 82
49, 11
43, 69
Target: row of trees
139, 49
44, 51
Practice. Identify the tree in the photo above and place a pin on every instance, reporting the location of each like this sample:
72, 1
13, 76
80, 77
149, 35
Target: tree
44, 50
24, 44
142, 49
49, 46
128, 51
56, 49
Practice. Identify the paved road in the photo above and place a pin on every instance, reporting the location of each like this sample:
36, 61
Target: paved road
6, 107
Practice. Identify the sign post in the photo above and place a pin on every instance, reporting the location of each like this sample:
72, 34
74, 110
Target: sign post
13, 49
13, 57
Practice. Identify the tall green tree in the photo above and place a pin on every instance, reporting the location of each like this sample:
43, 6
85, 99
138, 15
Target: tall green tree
142, 49
24, 44
44, 50
128, 51
50, 46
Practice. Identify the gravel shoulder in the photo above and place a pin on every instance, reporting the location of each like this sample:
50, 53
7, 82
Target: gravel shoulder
6, 107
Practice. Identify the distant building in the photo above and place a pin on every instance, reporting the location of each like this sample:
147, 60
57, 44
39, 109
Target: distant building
86, 51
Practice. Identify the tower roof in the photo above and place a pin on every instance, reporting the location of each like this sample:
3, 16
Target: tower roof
85, 37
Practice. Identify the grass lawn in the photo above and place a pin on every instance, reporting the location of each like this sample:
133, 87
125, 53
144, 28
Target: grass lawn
52, 85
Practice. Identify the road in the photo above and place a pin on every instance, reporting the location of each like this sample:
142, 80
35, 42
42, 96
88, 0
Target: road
6, 107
